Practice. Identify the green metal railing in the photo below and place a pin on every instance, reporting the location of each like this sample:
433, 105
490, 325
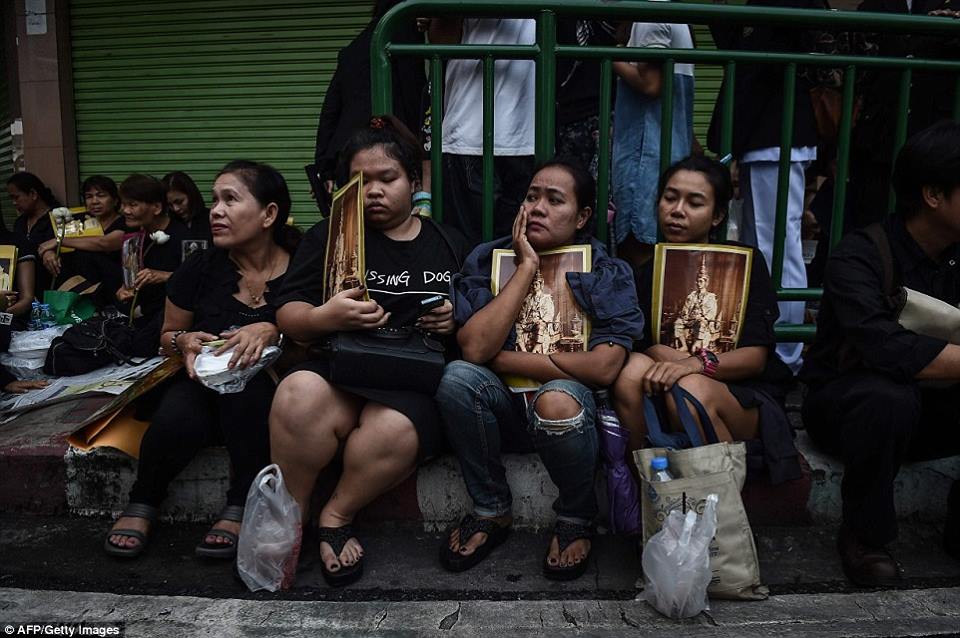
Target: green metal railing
546, 50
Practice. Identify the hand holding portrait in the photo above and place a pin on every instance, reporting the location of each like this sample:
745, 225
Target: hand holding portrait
349, 311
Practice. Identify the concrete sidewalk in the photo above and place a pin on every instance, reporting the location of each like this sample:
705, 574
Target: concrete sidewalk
934, 612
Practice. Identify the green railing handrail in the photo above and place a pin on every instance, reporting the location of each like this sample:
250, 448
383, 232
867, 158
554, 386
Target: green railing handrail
546, 50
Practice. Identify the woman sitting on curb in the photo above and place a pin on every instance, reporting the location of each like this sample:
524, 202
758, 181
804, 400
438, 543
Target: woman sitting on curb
382, 434
743, 389
227, 292
483, 417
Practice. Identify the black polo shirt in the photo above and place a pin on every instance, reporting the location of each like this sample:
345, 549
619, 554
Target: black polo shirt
856, 326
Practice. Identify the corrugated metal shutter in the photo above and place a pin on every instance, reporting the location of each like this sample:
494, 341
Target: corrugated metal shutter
190, 85
706, 87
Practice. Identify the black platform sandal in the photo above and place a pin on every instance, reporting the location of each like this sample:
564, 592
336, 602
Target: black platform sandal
133, 510
470, 525
222, 550
336, 538
568, 533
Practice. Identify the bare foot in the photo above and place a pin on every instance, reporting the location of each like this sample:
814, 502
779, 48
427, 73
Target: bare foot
575, 553
352, 550
477, 539
227, 526
129, 522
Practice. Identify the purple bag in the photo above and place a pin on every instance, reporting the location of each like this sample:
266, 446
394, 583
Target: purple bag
622, 492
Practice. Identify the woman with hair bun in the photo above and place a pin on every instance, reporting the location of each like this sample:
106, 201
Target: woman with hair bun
228, 292
382, 434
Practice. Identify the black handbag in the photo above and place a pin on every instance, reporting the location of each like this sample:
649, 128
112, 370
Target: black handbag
385, 359
92, 344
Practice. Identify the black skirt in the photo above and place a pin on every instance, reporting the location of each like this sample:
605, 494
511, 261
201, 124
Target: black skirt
421, 409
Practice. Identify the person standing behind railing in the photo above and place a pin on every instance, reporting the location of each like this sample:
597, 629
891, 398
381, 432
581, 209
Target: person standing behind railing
757, 115
514, 90
636, 136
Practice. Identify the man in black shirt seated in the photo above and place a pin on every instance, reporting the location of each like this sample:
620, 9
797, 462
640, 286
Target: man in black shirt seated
870, 398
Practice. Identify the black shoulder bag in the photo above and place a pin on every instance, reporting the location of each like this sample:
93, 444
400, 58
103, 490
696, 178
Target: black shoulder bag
388, 358
92, 344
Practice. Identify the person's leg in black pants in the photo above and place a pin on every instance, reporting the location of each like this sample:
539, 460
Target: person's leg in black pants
511, 180
245, 431
185, 422
874, 424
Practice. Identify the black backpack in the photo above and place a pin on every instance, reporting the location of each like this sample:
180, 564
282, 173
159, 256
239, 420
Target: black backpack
91, 344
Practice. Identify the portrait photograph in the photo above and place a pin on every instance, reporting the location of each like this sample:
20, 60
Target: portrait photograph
700, 296
190, 246
131, 257
344, 261
550, 319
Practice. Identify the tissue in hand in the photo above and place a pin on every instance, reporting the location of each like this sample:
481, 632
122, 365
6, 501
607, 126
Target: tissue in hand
213, 373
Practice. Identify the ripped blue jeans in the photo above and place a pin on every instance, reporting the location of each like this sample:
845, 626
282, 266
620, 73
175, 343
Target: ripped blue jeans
483, 419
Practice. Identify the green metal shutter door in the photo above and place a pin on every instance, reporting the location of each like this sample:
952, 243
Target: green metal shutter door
190, 85
6, 139
707, 80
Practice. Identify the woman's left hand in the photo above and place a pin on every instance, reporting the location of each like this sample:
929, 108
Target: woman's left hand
661, 376
248, 343
439, 320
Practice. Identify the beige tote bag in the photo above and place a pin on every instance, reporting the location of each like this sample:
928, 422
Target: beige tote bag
709, 469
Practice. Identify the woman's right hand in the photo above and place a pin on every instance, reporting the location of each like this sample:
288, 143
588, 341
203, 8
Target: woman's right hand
190, 344
348, 311
51, 262
124, 294
526, 255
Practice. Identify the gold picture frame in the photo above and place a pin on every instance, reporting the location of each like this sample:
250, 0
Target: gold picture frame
345, 258
700, 295
8, 268
550, 319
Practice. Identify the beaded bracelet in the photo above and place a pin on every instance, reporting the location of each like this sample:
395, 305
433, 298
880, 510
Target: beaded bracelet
173, 340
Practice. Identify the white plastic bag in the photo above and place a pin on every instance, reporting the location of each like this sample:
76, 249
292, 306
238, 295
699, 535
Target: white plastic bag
270, 535
213, 373
676, 562
33, 344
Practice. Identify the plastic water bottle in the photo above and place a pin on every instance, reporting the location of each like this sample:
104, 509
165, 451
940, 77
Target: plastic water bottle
35, 320
46, 317
660, 472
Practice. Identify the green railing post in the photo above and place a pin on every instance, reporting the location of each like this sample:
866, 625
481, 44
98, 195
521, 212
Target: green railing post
546, 95
488, 119
726, 112
900, 132
843, 156
603, 150
436, 137
783, 177
666, 114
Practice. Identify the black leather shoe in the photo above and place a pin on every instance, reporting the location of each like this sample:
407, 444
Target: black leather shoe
951, 531
864, 565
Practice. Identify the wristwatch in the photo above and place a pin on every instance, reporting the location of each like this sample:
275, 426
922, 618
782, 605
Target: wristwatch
709, 360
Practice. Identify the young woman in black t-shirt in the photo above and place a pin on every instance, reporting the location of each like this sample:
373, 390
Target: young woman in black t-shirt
742, 389
185, 202
33, 200
227, 292
382, 433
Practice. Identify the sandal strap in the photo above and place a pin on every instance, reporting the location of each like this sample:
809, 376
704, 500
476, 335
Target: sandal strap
141, 510
335, 537
232, 513
222, 533
471, 525
568, 533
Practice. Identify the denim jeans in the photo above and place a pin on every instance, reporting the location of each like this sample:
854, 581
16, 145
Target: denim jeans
482, 418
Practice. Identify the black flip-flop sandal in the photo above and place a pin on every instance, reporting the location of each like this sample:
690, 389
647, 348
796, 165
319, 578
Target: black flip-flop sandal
134, 510
470, 525
222, 550
567, 533
336, 538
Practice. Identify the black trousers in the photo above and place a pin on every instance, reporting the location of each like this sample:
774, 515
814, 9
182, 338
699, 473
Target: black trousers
875, 424
189, 418
463, 193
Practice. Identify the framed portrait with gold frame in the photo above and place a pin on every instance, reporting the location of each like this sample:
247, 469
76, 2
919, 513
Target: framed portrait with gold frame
8, 268
700, 295
345, 260
550, 319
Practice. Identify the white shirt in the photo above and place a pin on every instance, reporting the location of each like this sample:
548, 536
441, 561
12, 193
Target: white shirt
663, 36
514, 86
